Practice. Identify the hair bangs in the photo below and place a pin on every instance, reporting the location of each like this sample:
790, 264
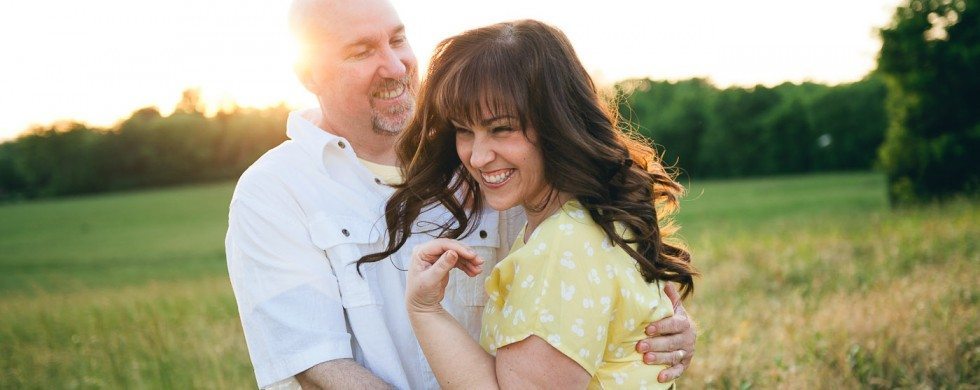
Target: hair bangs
487, 85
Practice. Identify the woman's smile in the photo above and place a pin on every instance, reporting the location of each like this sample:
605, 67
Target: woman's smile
497, 178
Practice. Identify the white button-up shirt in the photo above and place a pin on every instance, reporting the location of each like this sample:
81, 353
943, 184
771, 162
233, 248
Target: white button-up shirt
300, 218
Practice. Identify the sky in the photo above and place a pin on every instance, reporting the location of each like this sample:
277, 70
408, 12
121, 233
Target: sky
97, 61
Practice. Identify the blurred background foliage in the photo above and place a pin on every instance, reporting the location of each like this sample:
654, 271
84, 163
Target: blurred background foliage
810, 280
915, 118
145, 150
930, 57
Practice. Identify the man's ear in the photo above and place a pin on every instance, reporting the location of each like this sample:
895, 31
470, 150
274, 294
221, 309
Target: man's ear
305, 75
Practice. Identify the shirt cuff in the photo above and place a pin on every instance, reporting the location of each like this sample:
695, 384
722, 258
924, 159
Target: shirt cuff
324, 351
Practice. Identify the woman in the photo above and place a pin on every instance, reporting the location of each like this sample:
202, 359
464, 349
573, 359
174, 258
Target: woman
508, 116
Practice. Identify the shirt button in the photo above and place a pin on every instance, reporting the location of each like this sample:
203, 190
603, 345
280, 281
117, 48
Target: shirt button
345, 232
378, 181
342, 145
483, 234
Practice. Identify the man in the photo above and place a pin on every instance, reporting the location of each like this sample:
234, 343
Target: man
305, 212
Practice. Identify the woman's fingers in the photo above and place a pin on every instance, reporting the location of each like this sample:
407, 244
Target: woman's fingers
427, 282
430, 252
445, 264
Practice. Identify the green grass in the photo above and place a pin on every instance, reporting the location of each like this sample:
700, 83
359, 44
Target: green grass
113, 240
809, 282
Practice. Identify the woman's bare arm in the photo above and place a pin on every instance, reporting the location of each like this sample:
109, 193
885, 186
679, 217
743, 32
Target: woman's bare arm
457, 360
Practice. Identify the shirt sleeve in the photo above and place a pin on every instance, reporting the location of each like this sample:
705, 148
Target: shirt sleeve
557, 295
286, 291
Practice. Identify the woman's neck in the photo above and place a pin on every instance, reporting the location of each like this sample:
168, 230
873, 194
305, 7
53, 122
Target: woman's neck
535, 217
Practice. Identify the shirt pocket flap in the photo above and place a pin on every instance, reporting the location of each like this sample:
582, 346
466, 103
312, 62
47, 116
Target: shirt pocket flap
329, 231
344, 240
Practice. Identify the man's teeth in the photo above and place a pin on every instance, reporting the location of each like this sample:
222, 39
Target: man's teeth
497, 178
391, 93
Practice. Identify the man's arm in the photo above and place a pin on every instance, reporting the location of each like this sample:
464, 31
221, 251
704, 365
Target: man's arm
287, 294
339, 374
671, 340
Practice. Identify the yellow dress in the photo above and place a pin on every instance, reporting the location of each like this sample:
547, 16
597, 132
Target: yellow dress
585, 297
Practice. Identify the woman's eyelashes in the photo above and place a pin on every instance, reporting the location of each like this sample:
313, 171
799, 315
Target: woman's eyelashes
502, 129
498, 129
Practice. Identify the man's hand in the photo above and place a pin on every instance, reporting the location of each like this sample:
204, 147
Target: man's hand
671, 340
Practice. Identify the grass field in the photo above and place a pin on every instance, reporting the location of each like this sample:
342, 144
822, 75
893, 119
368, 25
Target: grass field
809, 282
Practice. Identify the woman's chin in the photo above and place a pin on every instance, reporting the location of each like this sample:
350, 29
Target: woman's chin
500, 204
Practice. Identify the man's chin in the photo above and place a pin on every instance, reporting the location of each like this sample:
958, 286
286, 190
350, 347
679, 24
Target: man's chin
392, 124
388, 127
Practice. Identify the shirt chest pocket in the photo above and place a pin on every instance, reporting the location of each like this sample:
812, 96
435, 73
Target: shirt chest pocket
485, 241
344, 240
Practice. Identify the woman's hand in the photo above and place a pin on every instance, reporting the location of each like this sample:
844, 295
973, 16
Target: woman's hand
428, 274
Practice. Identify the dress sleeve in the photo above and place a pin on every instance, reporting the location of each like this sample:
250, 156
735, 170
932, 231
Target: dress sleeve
558, 295
286, 291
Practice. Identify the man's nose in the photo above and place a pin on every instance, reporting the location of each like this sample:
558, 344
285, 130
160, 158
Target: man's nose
393, 66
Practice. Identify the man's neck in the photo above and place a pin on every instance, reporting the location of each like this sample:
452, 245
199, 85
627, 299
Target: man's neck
367, 144
376, 148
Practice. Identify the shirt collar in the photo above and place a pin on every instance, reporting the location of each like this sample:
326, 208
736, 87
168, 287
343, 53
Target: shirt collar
315, 141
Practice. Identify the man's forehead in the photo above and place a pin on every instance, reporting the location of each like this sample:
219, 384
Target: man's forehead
345, 22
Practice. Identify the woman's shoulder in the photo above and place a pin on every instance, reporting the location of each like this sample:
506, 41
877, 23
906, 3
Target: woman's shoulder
571, 222
568, 237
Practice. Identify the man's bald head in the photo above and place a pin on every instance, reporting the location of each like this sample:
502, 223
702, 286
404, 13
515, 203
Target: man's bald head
355, 57
306, 15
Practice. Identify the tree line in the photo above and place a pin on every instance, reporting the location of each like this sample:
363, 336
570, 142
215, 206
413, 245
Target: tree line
915, 118
707, 132
145, 150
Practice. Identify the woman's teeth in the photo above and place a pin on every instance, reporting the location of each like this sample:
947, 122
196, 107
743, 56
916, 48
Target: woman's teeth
497, 178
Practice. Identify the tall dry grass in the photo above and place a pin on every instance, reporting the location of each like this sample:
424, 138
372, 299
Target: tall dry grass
809, 282
880, 300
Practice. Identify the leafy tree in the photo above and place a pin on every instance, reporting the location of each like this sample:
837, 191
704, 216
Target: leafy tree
731, 146
145, 150
849, 122
787, 140
930, 58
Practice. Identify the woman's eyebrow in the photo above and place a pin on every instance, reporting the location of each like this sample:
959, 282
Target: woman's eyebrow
484, 122
491, 120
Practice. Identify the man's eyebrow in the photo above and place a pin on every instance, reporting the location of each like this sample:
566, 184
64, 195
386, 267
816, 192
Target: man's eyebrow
366, 42
369, 41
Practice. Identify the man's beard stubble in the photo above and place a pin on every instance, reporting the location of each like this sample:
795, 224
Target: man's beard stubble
393, 120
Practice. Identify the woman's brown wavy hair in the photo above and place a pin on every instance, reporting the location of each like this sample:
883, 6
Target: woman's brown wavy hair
528, 69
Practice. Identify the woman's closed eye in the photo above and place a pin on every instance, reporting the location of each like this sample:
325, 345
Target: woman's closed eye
502, 129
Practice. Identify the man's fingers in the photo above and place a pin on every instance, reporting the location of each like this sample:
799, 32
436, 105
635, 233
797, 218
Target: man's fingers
672, 294
671, 343
665, 358
671, 373
670, 325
